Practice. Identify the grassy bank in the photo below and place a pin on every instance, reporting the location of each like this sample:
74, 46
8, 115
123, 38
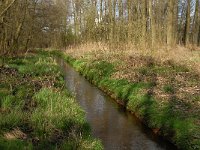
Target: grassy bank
36, 111
164, 95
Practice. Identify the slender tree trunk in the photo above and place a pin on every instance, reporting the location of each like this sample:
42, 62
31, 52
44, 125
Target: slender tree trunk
15, 45
199, 37
152, 24
101, 10
175, 22
170, 23
196, 23
129, 20
187, 26
110, 16
144, 21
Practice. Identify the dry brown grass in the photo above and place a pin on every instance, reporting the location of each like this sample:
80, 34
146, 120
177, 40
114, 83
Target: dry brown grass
189, 57
173, 86
170, 84
15, 134
132, 58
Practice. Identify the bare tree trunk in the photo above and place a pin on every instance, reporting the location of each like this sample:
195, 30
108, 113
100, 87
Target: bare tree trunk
175, 22
170, 23
129, 20
110, 16
196, 23
15, 45
152, 24
144, 21
187, 25
199, 37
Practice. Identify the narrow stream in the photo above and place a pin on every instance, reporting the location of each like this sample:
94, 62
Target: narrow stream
116, 128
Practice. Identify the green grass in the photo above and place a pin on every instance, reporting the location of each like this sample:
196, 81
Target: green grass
137, 97
168, 89
14, 144
51, 113
34, 100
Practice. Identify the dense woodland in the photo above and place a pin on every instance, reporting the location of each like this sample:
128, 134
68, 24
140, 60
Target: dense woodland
145, 54
26, 24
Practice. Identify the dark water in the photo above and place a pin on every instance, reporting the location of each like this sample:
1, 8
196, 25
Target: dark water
116, 128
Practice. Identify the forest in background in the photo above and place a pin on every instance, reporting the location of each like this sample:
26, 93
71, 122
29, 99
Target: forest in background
148, 24
145, 54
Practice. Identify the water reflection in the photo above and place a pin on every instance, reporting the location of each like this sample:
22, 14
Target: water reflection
115, 127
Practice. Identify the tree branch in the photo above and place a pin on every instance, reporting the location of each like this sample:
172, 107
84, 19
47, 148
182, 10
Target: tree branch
7, 8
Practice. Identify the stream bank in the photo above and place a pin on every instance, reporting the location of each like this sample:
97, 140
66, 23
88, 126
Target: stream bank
167, 118
36, 110
111, 123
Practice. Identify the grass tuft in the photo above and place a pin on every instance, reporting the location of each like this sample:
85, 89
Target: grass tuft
34, 101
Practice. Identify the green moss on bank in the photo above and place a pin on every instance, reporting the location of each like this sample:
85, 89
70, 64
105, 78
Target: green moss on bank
170, 117
36, 111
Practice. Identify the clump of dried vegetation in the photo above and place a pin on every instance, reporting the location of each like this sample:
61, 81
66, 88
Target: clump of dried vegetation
189, 56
